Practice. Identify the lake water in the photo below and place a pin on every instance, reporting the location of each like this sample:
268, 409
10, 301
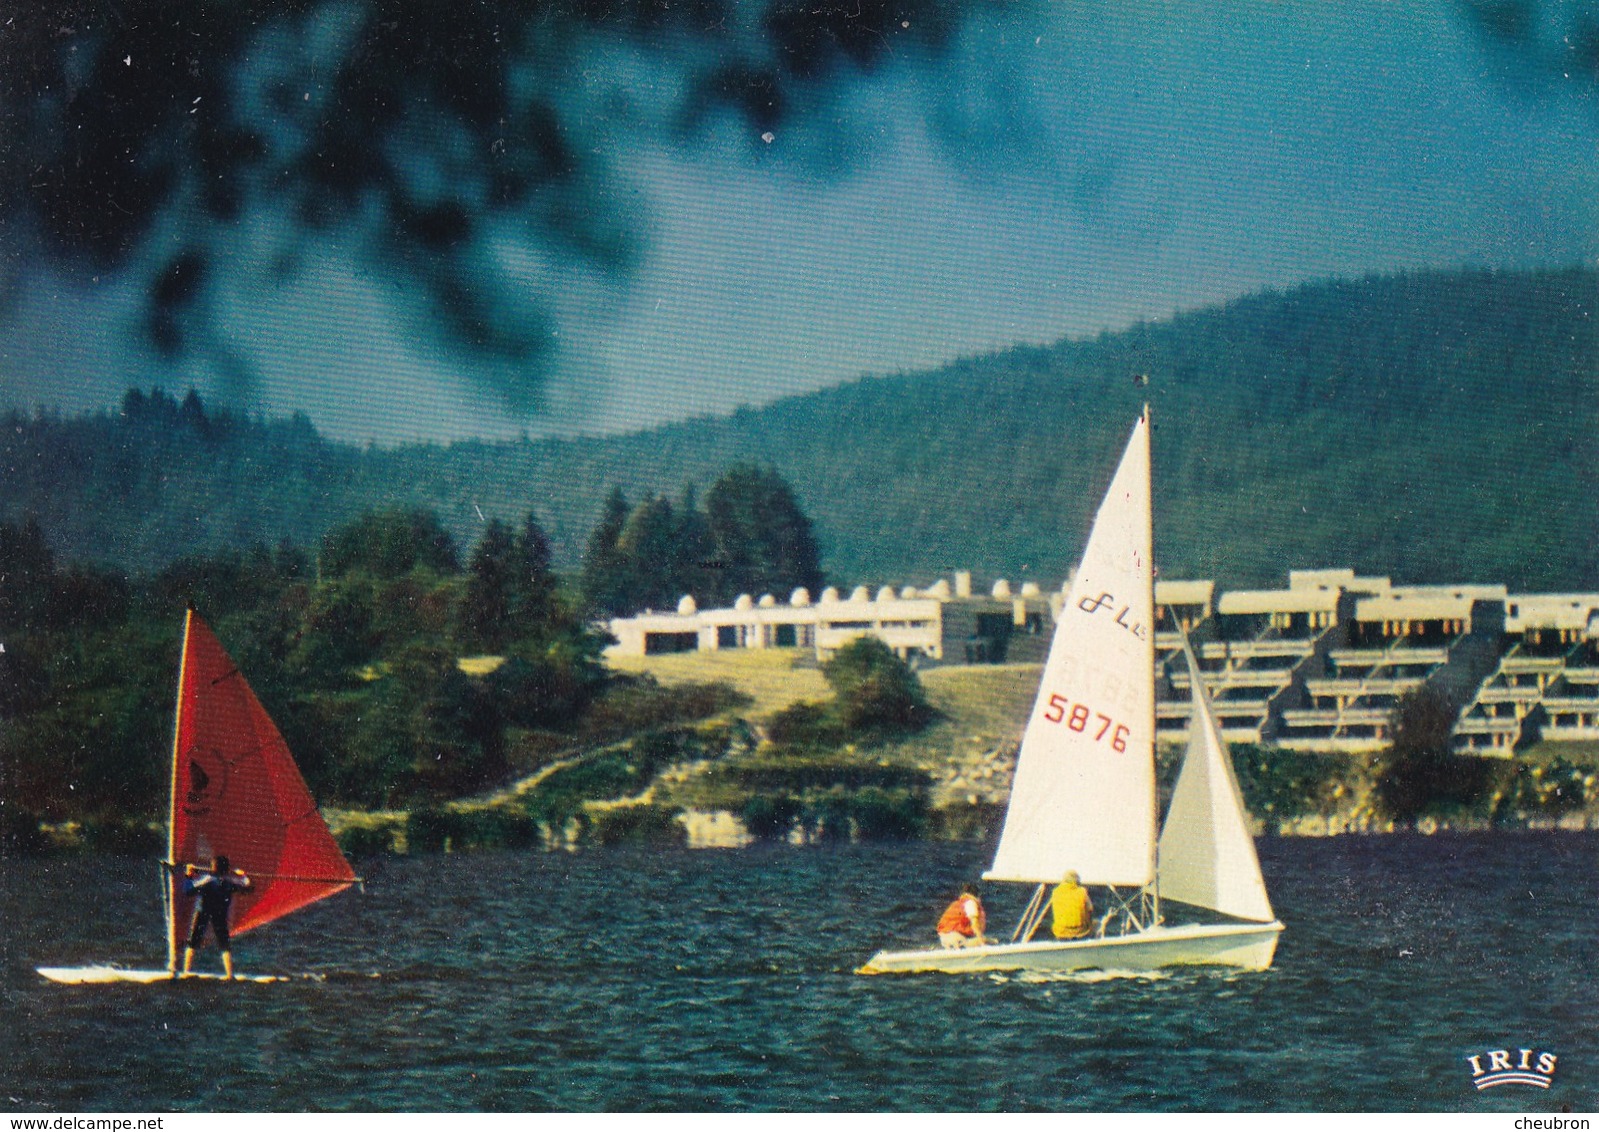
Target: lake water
634, 979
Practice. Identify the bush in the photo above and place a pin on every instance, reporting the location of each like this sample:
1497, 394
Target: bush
806, 726
369, 840
837, 814
826, 815
888, 815
967, 821
770, 817
875, 691
641, 824
610, 774
797, 775
434, 830
1288, 784
1419, 772
635, 703
1559, 787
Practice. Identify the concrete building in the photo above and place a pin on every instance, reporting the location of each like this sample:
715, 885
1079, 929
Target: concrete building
1546, 684
1318, 665
1258, 651
1397, 641
1321, 664
944, 623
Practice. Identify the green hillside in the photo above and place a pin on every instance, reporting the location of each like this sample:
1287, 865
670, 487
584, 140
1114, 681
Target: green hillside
1431, 426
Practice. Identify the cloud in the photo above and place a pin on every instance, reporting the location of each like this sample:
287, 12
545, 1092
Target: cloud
149, 133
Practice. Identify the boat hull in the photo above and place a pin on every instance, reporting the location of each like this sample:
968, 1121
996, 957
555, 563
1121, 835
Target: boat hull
1246, 946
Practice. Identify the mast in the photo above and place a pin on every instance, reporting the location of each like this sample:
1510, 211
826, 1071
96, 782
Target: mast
171, 863
1154, 809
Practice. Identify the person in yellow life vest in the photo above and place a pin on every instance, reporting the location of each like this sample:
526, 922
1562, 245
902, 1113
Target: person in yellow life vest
963, 921
1074, 911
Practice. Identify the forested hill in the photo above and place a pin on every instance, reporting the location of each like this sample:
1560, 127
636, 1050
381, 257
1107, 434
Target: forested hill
1435, 427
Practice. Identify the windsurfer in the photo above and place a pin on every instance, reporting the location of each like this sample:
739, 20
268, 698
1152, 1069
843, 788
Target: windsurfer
962, 923
215, 890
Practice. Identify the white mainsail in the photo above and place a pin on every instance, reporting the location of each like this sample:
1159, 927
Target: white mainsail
1207, 855
1083, 797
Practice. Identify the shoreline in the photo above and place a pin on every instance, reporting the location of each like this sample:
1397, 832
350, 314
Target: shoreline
691, 829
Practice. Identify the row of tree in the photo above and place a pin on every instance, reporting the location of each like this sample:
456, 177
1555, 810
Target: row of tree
750, 538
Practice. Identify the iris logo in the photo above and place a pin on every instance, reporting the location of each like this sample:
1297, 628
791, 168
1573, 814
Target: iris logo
207, 781
1512, 1067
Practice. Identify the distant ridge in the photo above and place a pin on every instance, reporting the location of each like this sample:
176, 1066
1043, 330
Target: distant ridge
1432, 426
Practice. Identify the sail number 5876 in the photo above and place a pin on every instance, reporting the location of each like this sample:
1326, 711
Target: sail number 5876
1081, 717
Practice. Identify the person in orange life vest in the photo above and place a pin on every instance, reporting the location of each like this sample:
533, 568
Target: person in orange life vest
1074, 911
962, 923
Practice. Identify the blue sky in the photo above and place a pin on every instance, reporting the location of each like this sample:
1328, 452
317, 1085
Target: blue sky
1063, 173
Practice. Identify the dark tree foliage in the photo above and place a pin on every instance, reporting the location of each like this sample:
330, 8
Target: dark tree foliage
153, 483
228, 582
338, 634
1419, 771
874, 690
695, 566
606, 583
450, 726
26, 569
485, 612
761, 539
536, 589
752, 539
358, 668
876, 697
36, 596
651, 548
511, 591
86, 727
389, 543
433, 129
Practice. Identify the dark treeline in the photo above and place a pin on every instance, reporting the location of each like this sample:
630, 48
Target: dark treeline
354, 648
161, 479
1435, 427
751, 538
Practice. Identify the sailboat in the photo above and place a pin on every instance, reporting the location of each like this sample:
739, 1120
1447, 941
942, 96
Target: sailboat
236, 792
1083, 796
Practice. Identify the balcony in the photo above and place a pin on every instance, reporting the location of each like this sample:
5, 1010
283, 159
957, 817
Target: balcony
1331, 717
1577, 725
1222, 685
1518, 664
1396, 654
1583, 676
1487, 725
1362, 689
1251, 650
1509, 694
1553, 704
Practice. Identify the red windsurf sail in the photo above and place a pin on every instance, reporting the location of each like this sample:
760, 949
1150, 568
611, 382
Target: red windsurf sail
237, 793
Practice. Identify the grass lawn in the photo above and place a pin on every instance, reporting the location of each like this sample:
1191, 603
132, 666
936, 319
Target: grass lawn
982, 708
1572, 750
982, 711
772, 678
